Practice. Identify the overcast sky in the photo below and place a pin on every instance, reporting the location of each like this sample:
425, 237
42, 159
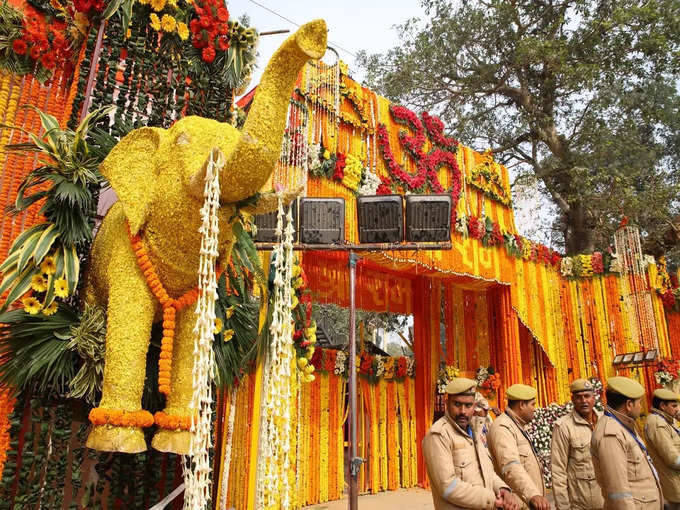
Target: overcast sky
353, 25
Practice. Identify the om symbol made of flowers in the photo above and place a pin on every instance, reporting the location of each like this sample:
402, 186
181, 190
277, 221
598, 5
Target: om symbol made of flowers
441, 154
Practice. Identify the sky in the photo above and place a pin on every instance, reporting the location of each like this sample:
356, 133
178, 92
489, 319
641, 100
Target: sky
353, 25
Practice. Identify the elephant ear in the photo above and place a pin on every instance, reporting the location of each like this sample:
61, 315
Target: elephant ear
131, 169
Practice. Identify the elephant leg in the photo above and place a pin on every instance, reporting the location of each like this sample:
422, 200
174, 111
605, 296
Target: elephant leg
174, 421
119, 419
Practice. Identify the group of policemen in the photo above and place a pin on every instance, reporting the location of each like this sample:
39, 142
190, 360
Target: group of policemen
598, 460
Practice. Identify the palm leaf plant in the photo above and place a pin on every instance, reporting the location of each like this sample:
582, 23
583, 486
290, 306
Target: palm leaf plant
45, 258
61, 354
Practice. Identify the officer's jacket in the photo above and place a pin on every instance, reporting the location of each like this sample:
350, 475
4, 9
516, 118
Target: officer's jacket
459, 467
514, 458
626, 476
663, 443
573, 477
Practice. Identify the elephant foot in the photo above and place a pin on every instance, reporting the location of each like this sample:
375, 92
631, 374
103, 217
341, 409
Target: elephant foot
172, 441
112, 438
173, 433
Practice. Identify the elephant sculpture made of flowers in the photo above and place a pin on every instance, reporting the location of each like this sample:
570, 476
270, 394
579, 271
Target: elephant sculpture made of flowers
145, 256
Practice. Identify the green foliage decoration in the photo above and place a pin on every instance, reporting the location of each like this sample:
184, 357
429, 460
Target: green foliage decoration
69, 171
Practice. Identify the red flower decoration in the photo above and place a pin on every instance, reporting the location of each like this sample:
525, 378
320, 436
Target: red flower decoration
317, 358
435, 128
210, 29
402, 367
339, 172
19, 46
597, 262
366, 363
208, 54
668, 299
48, 61
329, 360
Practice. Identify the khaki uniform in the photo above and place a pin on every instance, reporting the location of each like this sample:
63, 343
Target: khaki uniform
626, 476
663, 443
459, 467
514, 458
574, 483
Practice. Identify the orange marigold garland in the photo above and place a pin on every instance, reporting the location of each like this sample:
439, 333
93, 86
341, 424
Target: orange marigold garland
168, 421
102, 416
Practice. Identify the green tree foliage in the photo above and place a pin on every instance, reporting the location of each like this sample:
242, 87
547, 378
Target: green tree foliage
580, 95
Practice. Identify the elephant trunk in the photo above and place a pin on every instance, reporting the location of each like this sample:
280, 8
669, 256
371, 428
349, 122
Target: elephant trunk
259, 147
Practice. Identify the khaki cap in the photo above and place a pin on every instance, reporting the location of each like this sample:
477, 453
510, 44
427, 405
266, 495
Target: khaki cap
581, 385
459, 385
665, 394
521, 392
625, 386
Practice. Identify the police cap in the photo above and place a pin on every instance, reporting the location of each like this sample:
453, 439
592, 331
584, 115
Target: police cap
664, 394
625, 386
521, 392
459, 385
579, 385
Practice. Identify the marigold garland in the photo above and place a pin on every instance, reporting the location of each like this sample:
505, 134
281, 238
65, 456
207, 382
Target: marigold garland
172, 422
118, 418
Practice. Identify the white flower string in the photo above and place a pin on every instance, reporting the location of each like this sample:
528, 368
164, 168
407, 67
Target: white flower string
226, 465
273, 482
197, 475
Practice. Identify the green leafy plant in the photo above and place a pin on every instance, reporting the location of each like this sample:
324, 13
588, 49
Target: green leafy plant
238, 342
34, 354
61, 354
87, 338
45, 257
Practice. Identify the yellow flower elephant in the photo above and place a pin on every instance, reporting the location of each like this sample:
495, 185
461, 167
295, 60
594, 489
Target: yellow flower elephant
158, 176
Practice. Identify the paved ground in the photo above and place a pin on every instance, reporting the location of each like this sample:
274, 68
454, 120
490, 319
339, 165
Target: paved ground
403, 499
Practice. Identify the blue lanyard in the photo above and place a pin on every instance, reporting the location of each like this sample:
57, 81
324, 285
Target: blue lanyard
637, 440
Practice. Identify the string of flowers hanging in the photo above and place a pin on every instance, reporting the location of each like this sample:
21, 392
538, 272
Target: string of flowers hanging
226, 464
635, 291
197, 475
273, 487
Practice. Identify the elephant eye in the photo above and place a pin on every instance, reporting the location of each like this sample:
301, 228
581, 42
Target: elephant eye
182, 139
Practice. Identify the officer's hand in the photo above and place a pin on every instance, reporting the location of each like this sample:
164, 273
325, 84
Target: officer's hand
508, 501
539, 503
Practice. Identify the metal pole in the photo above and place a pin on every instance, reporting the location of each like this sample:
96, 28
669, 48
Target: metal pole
87, 99
354, 462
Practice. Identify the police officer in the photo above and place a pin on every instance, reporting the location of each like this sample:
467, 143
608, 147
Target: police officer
622, 465
512, 452
663, 443
458, 465
574, 483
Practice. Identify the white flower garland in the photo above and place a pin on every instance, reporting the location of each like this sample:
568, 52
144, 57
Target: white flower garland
197, 476
273, 487
226, 466
340, 363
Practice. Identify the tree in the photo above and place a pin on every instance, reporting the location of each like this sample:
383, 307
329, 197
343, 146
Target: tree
578, 95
